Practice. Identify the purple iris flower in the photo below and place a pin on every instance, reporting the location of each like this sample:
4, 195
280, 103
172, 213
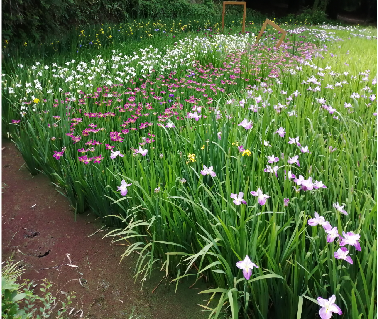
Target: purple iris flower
123, 187
247, 266
293, 160
319, 220
340, 208
261, 198
328, 307
342, 253
247, 125
238, 199
294, 141
281, 132
273, 159
332, 234
208, 171
352, 239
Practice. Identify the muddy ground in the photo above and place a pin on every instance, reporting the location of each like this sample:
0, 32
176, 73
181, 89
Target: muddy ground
39, 229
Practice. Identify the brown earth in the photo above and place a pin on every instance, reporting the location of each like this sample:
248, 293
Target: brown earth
39, 229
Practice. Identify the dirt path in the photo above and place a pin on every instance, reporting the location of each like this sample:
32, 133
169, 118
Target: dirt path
38, 227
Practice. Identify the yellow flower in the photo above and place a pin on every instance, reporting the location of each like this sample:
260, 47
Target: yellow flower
246, 152
192, 157
203, 147
36, 101
236, 143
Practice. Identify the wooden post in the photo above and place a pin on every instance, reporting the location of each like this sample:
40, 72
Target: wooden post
267, 21
243, 3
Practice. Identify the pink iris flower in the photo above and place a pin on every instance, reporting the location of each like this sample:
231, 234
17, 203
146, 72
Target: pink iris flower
247, 266
123, 187
194, 115
305, 149
261, 198
295, 140
113, 155
350, 238
293, 160
342, 253
340, 208
328, 307
319, 220
238, 199
319, 184
247, 125
273, 159
170, 125
332, 234
281, 132
208, 171
142, 151
270, 169
307, 184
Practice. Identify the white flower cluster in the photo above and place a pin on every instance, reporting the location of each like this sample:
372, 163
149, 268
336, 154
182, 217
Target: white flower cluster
79, 75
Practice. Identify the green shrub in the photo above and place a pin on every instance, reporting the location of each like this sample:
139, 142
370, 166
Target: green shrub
174, 9
29, 21
19, 301
309, 16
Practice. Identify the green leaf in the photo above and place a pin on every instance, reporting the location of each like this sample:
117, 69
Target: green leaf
209, 291
19, 297
300, 303
232, 297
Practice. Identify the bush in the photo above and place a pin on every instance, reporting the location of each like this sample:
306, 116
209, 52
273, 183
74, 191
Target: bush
30, 21
19, 301
309, 16
158, 9
36, 21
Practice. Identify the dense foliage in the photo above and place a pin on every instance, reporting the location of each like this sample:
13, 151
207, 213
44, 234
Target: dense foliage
31, 21
207, 148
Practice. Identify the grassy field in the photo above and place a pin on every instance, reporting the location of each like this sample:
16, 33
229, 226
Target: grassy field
204, 149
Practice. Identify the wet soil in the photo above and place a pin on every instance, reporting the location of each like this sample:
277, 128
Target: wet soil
39, 229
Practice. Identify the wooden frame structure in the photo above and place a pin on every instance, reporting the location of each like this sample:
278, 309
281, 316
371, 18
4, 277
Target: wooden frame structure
243, 3
267, 21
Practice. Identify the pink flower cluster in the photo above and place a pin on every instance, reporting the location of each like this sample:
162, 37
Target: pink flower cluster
86, 160
116, 137
306, 184
92, 142
348, 238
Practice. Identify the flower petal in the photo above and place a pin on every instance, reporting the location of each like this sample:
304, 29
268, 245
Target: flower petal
247, 273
